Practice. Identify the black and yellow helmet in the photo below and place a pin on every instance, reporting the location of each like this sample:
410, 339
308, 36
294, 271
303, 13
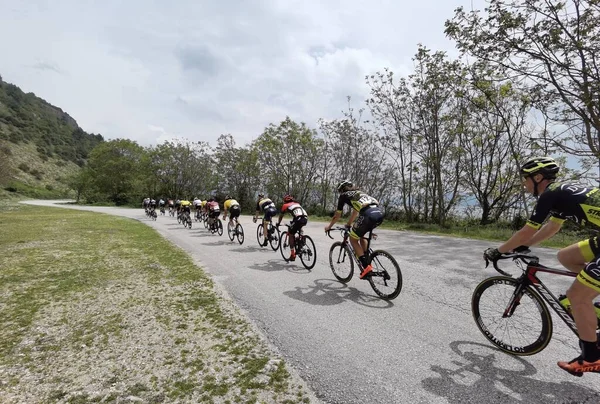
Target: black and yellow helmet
344, 184
546, 166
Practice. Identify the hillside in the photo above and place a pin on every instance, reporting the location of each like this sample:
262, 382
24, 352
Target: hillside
41, 146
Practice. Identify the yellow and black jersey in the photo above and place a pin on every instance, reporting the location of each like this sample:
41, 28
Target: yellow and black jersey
229, 203
567, 201
356, 200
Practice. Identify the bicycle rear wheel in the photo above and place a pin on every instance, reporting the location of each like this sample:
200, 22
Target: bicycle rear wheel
219, 227
284, 246
386, 277
307, 252
341, 262
240, 233
511, 316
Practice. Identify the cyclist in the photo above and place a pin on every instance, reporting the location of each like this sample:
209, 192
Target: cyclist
185, 206
366, 215
152, 205
268, 208
233, 207
178, 207
146, 204
197, 206
213, 209
171, 204
299, 220
557, 202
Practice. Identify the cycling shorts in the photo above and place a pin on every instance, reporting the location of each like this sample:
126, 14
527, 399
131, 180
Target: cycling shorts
590, 275
297, 224
234, 211
368, 218
269, 213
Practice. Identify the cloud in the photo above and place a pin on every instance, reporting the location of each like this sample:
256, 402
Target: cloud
47, 66
199, 69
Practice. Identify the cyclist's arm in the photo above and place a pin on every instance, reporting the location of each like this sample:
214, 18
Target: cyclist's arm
520, 238
352, 218
280, 218
334, 219
548, 230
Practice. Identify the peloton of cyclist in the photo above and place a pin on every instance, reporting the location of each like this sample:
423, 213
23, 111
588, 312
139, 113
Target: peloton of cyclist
366, 215
232, 207
557, 202
269, 210
299, 220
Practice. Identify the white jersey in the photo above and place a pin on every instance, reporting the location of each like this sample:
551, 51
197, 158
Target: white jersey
197, 202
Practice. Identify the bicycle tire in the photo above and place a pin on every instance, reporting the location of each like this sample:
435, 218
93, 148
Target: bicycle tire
510, 325
307, 253
386, 278
275, 237
341, 262
260, 237
284, 246
239, 233
230, 230
219, 227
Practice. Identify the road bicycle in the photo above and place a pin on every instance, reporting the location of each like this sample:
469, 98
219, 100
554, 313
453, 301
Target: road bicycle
216, 226
273, 234
235, 229
186, 219
386, 277
512, 313
162, 211
304, 246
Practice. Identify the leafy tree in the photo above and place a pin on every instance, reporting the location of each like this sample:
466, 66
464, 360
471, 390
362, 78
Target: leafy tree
115, 170
549, 46
288, 155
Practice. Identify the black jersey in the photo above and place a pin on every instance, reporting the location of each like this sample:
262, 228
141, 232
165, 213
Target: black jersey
567, 201
356, 199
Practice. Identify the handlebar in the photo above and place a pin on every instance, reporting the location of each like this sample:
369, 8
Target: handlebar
342, 229
345, 230
524, 256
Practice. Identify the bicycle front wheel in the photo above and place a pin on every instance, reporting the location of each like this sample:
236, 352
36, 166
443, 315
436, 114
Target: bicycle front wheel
511, 316
284, 246
230, 230
260, 237
275, 236
386, 278
239, 230
341, 262
308, 253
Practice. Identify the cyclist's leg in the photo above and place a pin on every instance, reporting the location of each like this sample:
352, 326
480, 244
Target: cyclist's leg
581, 294
576, 256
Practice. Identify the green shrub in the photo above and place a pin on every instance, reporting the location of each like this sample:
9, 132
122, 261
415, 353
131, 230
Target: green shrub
24, 167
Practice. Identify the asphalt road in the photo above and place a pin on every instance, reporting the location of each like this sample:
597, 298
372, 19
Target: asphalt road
352, 347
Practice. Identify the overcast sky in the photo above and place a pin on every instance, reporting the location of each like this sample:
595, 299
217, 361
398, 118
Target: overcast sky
153, 70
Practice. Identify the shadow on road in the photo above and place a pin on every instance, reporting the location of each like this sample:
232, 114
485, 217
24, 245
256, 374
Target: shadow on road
270, 266
328, 292
479, 377
247, 248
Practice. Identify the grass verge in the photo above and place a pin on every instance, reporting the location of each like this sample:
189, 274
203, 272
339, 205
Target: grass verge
95, 308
